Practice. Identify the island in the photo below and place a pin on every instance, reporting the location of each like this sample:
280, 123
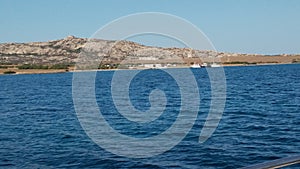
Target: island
62, 55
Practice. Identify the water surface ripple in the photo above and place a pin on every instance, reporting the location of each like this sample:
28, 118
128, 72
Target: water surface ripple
39, 127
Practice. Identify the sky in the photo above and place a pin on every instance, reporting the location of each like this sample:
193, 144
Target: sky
241, 26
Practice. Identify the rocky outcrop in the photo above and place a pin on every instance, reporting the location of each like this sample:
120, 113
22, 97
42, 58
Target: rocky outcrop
52, 52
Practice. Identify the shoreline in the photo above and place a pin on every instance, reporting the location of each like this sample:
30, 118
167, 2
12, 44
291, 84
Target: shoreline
51, 71
30, 71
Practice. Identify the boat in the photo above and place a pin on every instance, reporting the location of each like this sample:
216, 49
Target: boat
215, 65
278, 163
204, 65
195, 66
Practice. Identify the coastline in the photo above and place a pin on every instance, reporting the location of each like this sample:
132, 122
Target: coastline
50, 71
30, 71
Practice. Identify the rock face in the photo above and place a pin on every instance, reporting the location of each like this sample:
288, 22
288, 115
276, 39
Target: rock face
67, 51
52, 52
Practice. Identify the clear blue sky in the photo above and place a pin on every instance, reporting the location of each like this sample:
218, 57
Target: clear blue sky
244, 26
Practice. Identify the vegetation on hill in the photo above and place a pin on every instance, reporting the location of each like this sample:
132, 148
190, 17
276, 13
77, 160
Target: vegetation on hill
9, 72
37, 66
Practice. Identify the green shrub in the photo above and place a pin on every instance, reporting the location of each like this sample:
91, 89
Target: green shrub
236, 62
9, 72
32, 66
59, 66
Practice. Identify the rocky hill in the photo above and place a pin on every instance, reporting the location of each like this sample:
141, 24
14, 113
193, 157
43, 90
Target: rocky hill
67, 50
52, 52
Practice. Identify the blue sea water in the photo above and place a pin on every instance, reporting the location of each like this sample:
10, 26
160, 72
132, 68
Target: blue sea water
39, 127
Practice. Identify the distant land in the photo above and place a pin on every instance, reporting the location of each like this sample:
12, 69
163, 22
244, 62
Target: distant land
61, 55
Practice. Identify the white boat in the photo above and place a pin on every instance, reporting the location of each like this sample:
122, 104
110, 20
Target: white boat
215, 65
204, 65
195, 66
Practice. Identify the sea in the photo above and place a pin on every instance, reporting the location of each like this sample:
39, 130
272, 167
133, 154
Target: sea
39, 126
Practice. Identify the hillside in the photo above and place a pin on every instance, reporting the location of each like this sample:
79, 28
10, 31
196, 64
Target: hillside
67, 50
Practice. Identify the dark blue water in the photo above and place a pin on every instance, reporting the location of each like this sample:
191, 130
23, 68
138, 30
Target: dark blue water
39, 127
